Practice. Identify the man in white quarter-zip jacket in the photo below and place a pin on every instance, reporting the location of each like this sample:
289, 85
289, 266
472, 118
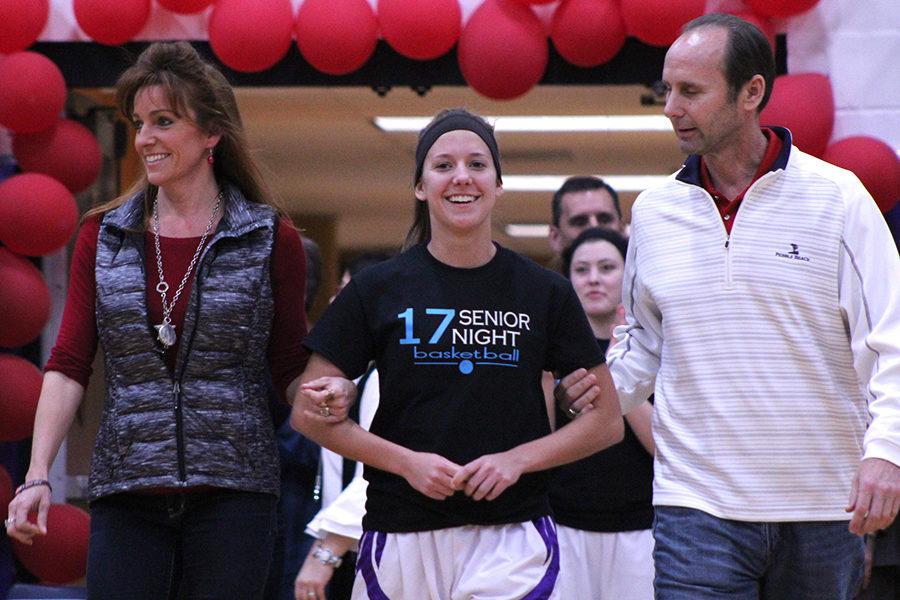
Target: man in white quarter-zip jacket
761, 291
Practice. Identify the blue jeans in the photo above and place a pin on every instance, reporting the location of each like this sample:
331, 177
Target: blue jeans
699, 556
211, 545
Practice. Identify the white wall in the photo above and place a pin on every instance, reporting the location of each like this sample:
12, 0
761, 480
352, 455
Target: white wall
857, 44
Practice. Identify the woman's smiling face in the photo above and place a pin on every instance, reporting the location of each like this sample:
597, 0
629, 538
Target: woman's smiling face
170, 145
459, 183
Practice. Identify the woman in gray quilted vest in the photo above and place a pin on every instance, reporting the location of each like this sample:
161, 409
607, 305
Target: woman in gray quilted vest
192, 283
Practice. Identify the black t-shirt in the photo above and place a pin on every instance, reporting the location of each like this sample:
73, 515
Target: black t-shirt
459, 354
609, 491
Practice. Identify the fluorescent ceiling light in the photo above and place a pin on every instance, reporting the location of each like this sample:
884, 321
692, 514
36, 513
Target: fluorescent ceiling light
551, 183
543, 123
527, 230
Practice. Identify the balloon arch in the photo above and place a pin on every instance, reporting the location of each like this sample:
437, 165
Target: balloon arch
59, 157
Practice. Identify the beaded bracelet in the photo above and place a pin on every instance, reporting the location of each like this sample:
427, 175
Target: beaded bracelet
33, 483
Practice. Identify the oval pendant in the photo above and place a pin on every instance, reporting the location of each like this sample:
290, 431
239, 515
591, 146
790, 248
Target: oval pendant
165, 333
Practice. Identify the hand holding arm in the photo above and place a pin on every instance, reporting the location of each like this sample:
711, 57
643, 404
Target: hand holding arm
576, 392
328, 398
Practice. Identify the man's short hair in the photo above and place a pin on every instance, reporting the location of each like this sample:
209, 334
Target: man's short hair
748, 53
582, 183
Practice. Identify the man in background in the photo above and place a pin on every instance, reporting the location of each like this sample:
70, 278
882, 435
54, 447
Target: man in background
580, 203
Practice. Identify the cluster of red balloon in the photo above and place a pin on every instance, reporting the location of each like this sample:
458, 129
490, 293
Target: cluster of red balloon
804, 103
503, 52
38, 215
334, 36
24, 304
59, 157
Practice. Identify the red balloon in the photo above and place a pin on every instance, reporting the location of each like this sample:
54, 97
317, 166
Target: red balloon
536, 1
763, 24
60, 556
874, 162
111, 23
804, 103
184, 7
67, 152
37, 214
780, 8
420, 29
24, 300
503, 49
336, 36
18, 397
659, 22
32, 92
250, 35
21, 23
588, 33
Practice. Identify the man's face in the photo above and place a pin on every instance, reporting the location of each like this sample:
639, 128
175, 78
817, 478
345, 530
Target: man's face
583, 210
705, 119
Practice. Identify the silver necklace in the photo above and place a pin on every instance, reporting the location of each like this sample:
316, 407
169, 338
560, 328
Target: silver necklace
165, 331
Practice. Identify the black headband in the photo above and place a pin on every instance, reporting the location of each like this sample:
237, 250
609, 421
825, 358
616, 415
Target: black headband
455, 122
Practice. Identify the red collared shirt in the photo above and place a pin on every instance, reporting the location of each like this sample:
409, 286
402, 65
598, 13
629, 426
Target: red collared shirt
728, 208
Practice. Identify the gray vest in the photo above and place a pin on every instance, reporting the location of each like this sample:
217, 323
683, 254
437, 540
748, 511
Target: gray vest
208, 423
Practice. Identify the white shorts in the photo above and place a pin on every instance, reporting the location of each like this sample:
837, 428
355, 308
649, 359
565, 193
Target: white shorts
498, 562
605, 566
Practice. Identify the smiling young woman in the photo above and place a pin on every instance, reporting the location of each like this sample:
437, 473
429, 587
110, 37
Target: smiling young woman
460, 329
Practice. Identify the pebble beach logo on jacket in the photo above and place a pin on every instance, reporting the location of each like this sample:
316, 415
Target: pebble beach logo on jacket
794, 254
466, 339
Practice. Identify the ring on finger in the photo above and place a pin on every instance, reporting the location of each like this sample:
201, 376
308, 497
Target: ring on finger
9, 521
572, 412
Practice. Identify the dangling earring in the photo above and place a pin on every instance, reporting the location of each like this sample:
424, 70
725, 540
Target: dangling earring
210, 158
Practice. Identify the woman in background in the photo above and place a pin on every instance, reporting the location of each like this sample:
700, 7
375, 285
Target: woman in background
603, 503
